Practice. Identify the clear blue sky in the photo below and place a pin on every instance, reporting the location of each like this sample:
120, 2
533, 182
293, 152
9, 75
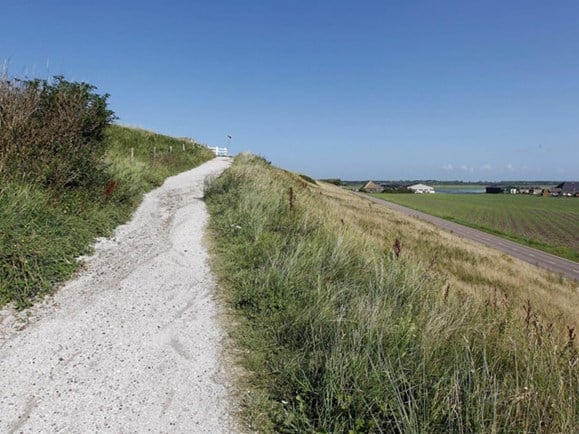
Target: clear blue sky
465, 90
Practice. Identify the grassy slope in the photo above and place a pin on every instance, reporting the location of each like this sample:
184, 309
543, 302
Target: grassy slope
342, 336
549, 224
41, 233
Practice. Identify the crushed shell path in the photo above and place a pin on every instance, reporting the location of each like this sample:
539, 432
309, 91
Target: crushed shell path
133, 343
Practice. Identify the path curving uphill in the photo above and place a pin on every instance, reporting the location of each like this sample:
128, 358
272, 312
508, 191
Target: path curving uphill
133, 344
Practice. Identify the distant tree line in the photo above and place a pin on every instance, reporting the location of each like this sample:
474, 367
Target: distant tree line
396, 189
335, 181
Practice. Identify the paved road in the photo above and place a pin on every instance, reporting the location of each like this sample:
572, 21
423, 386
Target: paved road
536, 257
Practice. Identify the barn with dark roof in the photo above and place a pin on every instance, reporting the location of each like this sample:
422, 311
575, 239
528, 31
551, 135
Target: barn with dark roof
569, 189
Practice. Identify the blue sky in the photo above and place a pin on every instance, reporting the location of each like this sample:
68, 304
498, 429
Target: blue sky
351, 89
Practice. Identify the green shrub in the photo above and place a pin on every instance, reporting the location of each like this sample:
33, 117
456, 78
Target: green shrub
52, 132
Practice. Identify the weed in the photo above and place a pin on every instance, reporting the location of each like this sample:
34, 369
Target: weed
397, 248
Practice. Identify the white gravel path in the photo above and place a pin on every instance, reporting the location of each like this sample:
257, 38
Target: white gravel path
133, 343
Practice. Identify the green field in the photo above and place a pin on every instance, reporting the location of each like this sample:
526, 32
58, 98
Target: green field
546, 223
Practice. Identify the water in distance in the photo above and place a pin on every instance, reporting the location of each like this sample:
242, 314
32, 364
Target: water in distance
460, 191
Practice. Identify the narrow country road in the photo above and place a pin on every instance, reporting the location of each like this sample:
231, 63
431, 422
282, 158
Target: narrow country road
536, 257
133, 344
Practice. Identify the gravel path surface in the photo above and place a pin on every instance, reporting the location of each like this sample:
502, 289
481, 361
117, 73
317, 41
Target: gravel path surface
133, 343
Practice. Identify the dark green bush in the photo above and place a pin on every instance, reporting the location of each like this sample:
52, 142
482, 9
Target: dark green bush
52, 132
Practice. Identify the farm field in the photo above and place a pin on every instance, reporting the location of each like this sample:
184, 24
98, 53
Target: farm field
548, 224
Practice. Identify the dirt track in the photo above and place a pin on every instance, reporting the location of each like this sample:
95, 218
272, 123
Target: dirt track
133, 343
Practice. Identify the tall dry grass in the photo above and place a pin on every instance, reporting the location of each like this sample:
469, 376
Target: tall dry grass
467, 267
340, 333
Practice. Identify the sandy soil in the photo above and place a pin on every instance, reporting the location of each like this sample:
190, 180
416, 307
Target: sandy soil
133, 343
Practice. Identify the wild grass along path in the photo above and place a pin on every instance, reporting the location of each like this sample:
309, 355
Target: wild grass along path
132, 344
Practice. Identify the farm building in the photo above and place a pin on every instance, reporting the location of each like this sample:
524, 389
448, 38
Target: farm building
569, 189
513, 190
421, 188
530, 190
494, 189
372, 187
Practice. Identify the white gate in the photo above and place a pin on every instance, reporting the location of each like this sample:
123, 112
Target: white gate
219, 152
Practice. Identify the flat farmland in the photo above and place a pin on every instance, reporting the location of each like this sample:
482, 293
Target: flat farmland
546, 223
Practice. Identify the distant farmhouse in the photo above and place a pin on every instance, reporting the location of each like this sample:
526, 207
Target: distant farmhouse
568, 189
421, 188
372, 187
511, 189
537, 191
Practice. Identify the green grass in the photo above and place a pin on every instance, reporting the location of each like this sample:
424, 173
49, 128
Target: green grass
338, 335
546, 223
43, 231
